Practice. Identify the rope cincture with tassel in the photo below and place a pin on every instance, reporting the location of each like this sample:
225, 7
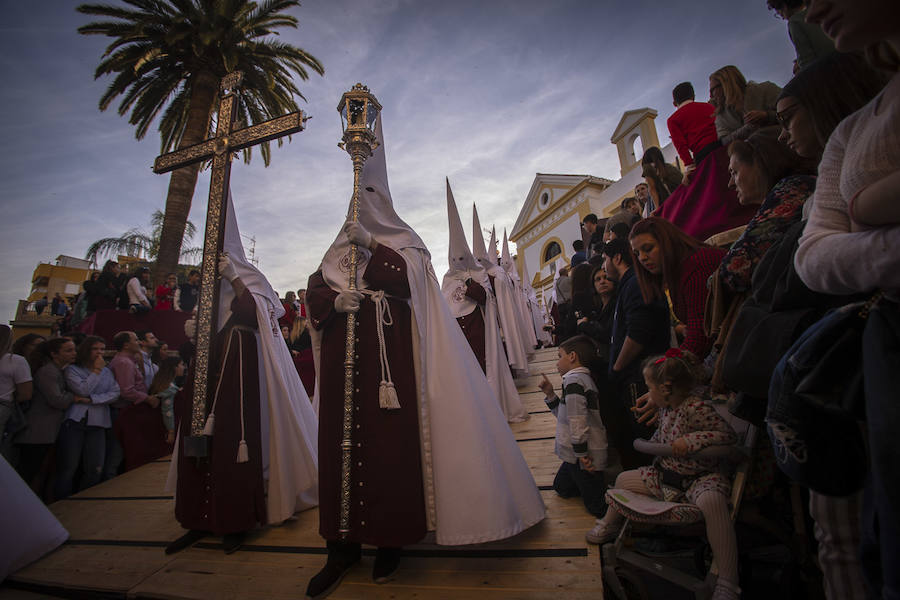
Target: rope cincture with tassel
243, 454
387, 393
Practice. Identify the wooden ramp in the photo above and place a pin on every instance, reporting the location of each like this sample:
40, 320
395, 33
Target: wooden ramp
119, 529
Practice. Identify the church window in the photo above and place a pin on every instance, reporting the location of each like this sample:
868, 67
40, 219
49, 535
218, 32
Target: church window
545, 200
552, 250
637, 147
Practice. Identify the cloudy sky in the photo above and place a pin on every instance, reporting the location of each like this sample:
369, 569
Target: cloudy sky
486, 92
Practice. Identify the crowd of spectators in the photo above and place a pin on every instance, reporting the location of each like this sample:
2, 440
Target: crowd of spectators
812, 174
71, 419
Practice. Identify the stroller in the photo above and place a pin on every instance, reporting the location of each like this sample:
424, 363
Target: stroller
623, 566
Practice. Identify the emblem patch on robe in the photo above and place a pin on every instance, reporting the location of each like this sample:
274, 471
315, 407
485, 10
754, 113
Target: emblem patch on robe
459, 294
273, 323
362, 258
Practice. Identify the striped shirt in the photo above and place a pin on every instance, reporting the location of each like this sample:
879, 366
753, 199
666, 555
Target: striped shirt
579, 430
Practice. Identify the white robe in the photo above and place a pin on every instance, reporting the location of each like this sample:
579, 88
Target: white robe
483, 488
510, 319
289, 424
453, 289
478, 487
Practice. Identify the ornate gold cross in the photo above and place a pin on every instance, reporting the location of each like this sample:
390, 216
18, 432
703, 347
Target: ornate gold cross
219, 148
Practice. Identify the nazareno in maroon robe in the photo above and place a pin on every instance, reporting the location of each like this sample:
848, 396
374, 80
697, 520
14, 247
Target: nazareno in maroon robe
217, 493
387, 505
472, 324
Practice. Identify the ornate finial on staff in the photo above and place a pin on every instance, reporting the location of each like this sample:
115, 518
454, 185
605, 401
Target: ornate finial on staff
359, 112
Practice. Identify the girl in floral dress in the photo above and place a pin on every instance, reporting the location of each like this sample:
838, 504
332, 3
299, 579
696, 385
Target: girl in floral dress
689, 424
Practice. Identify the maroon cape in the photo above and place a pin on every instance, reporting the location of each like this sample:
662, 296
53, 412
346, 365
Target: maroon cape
706, 206
472, 324
387, 505
216, 493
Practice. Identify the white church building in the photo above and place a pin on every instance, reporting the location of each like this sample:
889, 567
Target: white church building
550, 218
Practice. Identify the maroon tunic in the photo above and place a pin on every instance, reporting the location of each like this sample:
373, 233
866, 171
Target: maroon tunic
472, 324
217, 493
142, 435
387, 502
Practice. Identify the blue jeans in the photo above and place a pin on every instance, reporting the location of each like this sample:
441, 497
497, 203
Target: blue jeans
880, 518
77, 443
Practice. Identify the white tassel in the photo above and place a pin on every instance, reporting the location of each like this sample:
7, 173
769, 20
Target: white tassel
210, 424
243, 454
387, 396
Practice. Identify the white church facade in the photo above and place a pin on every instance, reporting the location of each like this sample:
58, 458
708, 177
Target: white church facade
550, 218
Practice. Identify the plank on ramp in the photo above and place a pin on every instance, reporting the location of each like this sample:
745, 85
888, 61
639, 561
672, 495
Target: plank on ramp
146, 481
202, 573
88, 519
538, 425
100, 568
7, 593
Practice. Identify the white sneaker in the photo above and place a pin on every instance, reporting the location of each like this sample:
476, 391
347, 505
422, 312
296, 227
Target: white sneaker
601, 533
725, 590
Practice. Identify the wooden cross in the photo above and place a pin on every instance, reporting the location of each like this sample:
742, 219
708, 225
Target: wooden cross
219, 148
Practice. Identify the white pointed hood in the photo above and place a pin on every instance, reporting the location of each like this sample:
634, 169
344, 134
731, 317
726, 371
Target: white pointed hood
478, 248
377, 215
462, 265
526, 280
506, 260
289, 427
252, 277
459, 255
492, 245
459, 419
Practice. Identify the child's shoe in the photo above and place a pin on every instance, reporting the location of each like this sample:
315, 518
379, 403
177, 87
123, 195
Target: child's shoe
601, 533
725, 590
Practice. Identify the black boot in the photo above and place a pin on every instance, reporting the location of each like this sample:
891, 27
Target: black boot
341, 556
188, 539
232, 542
387, 561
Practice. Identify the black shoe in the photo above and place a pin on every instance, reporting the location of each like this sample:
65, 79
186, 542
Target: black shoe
232, 542
387, 561
188, 539
340, 558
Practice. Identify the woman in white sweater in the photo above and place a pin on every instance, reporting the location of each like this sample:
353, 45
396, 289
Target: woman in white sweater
851, 244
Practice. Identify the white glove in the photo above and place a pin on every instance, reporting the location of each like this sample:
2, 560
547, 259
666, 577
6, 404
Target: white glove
190, 328
357, 234
226, 269
348, 301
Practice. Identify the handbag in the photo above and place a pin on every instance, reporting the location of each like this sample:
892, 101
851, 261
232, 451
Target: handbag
816, 400
17, 420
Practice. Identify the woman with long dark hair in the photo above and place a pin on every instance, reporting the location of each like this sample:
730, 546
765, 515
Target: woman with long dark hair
597, 321
662, 178
106, 290
26, 346
670, 260
818, 98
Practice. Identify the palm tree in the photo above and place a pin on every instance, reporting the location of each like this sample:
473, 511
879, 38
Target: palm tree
168, 57
137, 242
